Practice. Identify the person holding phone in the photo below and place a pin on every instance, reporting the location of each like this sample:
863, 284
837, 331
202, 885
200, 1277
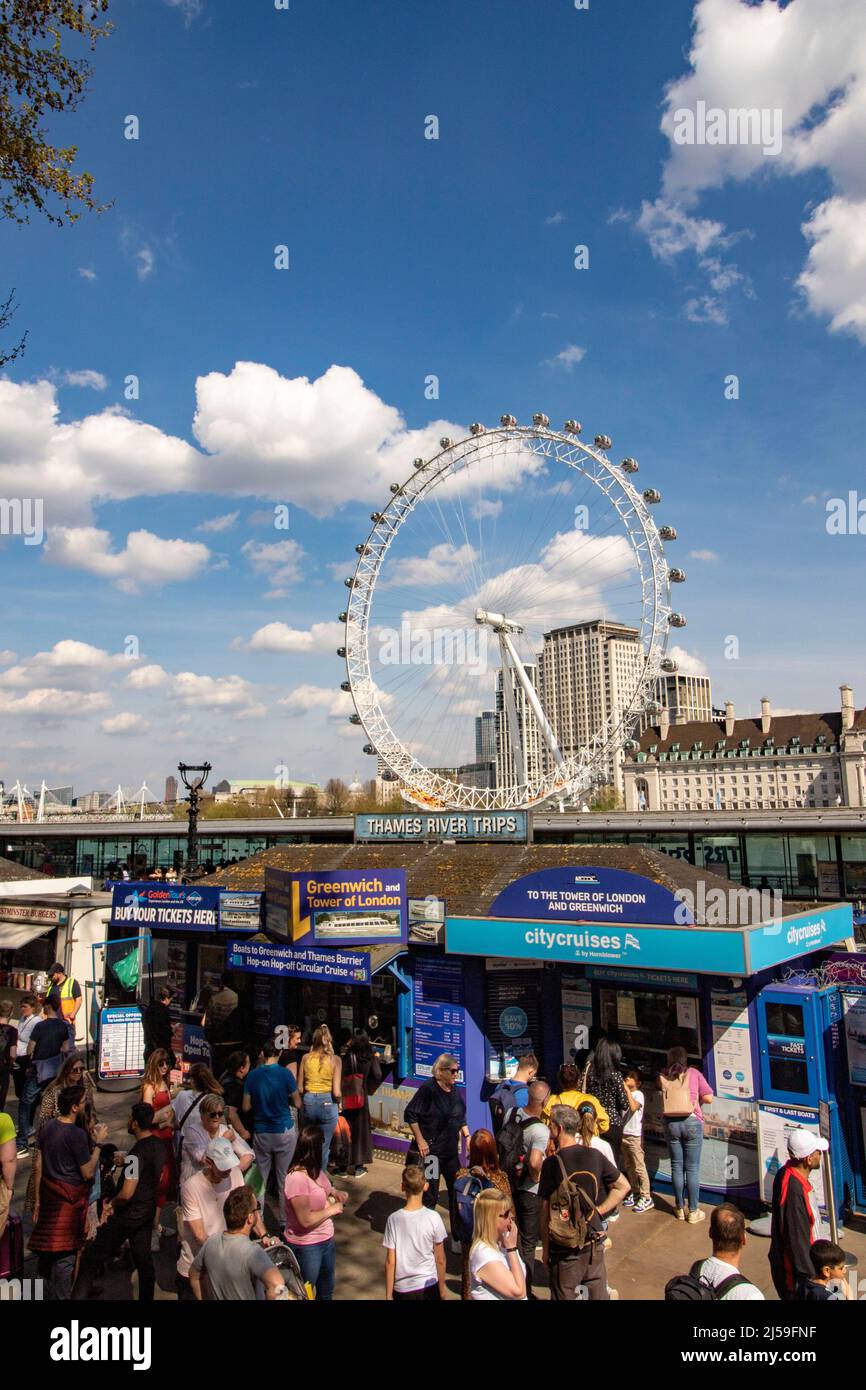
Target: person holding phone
497, 1274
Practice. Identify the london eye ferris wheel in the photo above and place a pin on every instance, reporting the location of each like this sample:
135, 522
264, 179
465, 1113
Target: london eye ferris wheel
485, 555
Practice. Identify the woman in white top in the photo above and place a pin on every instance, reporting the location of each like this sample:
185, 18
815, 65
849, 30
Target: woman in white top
209, 1124
496, 1271
589, 1135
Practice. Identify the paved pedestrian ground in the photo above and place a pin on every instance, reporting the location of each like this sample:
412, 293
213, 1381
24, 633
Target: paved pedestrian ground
647, 1250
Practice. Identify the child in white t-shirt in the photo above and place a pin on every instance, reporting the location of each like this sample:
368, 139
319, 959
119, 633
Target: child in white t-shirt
633, 1160
414, 1241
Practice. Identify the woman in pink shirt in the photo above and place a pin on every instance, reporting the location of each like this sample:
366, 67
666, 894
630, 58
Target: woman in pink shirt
311, 1206
684, 1090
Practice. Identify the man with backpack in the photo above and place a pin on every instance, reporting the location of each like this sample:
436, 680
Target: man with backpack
522, 1143
514, 1092
577, 1188
718, 1279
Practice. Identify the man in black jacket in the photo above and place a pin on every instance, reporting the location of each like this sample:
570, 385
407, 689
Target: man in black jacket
157, 1023
795, 1221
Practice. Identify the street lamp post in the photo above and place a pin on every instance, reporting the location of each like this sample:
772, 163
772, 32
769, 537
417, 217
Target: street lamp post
194, 777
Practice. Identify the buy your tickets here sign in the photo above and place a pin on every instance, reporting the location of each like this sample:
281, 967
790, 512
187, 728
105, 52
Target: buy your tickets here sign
337, 908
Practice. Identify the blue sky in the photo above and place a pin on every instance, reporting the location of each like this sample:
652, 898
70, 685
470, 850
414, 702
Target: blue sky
410, 257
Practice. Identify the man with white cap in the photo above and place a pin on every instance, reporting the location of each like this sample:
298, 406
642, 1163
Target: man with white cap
796, 1220
202, 1197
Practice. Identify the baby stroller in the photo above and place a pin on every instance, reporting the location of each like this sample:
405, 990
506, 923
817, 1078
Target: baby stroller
286, 1262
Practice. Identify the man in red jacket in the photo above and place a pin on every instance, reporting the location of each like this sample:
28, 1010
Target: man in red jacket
796, 1221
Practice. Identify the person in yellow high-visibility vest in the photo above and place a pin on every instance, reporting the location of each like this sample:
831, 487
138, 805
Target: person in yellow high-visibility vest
65, 995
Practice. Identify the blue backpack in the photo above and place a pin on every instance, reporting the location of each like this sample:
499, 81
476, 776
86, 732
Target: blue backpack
466, 1189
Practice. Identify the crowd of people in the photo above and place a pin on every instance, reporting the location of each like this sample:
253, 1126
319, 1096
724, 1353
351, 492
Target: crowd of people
545, 1183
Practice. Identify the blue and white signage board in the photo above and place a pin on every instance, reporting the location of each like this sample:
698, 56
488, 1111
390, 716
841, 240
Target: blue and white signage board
240, 911
718, 951
508, 826
587, 894
121, 1042
299, 962
662, 979
163, 906
775, 1123
339, 907
440, 1020
790, 937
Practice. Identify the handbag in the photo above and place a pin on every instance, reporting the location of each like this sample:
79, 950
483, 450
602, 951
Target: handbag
677, 1100
352, 1087
254, 1181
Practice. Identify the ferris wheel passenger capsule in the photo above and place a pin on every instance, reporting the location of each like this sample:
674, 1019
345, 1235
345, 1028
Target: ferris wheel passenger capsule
359, 548
669, 665
603, 441
445, 442
354, 718
349, 583
369, 750
477, 428
396, 487
630, 746
629, 465
572, 427
652, 495
676, 620
540, 421
341, 651
677, 576
418, 463
668, 533
376, 516
341, 617
345, 685
508, 421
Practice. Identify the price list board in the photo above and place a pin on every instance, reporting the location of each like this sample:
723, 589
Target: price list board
121, 1043
440, 1018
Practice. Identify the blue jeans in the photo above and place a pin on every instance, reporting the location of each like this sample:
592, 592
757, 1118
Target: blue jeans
27, 1104
320, 1108
685, 1139
318, 1267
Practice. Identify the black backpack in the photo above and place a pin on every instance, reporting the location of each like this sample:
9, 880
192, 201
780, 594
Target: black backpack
691, 1288
511, 1145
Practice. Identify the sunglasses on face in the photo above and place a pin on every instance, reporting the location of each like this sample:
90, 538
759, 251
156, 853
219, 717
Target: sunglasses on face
216, 1114
454, 1071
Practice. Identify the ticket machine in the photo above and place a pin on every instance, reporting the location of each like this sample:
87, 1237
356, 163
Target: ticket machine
802, 1063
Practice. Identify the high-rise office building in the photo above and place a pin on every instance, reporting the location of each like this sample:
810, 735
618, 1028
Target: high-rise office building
688, 699
170, 790
506, 776
588, 674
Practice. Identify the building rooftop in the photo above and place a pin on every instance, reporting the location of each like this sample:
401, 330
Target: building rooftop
10, 871
808, 728
470, 876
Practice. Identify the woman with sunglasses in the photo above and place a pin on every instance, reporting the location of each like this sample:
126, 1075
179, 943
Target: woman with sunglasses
436, 1115
71, 1073
212, 1125
496, 1271
156, 1093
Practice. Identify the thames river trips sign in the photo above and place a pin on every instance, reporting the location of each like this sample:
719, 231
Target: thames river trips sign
509, 826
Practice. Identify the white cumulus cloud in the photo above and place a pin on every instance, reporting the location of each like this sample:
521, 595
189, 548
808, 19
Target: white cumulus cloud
279, 637
124, 724
145, 559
